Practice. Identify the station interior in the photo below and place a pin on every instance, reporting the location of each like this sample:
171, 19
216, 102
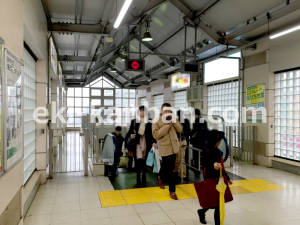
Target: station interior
72, 72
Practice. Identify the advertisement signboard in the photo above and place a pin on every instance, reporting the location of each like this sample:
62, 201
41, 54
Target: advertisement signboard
255, 99
180, 81
53, 56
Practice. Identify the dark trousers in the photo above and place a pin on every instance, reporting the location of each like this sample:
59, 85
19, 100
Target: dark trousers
140, 167
166, 171
216, 214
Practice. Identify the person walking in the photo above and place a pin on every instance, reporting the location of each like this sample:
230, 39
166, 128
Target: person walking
183, 138
140, 141
120, 140
212, 159
165, 132
198, 136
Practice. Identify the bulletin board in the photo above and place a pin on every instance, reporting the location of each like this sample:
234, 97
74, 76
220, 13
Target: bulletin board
13, 74
255, 99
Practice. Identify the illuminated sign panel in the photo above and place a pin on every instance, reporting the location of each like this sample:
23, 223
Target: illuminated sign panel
135, 65
180, 80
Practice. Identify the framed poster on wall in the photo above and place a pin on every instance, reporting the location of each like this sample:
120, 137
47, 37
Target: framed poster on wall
255, 99
13, 72
1, 75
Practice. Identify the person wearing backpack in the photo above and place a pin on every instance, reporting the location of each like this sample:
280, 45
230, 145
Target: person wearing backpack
198, 136
139, 140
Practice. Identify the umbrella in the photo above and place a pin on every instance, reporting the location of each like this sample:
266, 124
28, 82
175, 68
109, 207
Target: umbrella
221, 187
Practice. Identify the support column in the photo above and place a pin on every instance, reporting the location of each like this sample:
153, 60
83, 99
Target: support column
41, 141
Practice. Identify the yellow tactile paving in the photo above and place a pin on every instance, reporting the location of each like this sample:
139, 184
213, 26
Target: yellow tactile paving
184, 191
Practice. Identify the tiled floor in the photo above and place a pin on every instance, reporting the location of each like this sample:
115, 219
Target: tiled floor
71, 198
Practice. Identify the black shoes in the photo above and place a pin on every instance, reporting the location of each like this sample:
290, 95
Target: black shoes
144, 180
202, 217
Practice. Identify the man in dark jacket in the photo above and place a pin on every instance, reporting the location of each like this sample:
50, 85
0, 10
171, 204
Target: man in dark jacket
120, 140
198, 136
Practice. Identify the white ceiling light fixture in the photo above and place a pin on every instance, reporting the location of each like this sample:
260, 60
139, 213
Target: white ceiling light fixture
287, 31
122, 13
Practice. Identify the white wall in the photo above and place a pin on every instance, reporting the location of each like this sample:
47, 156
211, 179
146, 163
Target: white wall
285, 52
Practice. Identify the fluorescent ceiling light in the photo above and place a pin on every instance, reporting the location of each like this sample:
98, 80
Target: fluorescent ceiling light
285, 32
122, 13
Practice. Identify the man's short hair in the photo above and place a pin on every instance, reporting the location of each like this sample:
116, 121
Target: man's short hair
142, 108
118, 128
197, 112
165, 105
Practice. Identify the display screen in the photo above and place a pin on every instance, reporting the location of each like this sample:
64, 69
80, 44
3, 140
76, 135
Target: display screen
135, 65
221, 69
180, 80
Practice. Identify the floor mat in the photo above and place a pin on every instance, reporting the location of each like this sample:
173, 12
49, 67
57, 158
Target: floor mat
184, 191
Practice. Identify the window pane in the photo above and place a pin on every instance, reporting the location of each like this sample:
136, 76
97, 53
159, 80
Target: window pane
118, 102
97, 83
125, 102
85, 92
78, 92
95, 92
86, 110
77, 112
118, 92
108, 112
96, 102
108, 102
125, 93
108, 93
132, 93
70, 102
70, 122
78, 122
85, 102
70, 112
132, 102
71, 92
78, 102
107, 85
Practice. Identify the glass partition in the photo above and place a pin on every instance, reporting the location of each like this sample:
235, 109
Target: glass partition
109, 148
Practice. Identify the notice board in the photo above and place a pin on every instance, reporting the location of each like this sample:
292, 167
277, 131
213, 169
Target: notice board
255, 99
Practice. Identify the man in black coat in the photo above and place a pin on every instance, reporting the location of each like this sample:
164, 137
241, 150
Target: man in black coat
198, 136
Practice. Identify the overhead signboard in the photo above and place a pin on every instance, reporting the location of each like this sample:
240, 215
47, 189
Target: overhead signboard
135, 65
180, 81
223, 69
256, 100
53, 56
191, 68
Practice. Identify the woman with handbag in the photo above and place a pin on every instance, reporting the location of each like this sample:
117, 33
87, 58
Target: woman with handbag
212, 163
139, 140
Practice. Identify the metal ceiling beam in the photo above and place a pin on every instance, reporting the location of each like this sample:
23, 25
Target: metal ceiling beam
119, 84
206, 9
46, 10
72, 58
106, 13
74, 81
73, 72
285, 10
122, 75
154, 50
70, 28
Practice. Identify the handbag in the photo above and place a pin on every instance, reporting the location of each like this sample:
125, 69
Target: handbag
130, 146
207, 193
150, 158
123, 162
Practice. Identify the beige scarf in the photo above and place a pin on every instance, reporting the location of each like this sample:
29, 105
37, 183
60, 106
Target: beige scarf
142, 127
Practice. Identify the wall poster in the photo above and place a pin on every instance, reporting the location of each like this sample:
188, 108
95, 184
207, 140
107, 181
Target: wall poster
53, 56
1, 70
13, 80
255, 99
60, 75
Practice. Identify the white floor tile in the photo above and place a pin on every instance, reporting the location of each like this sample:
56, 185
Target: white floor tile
66, 207
104, 221
155, 218
180, 215
147, 208
270, 216
127, 220
93, 214
65, 217
43, 201
246, 219
191, 203
171, 205
66, 199
122, 211
38, 220
40, 210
